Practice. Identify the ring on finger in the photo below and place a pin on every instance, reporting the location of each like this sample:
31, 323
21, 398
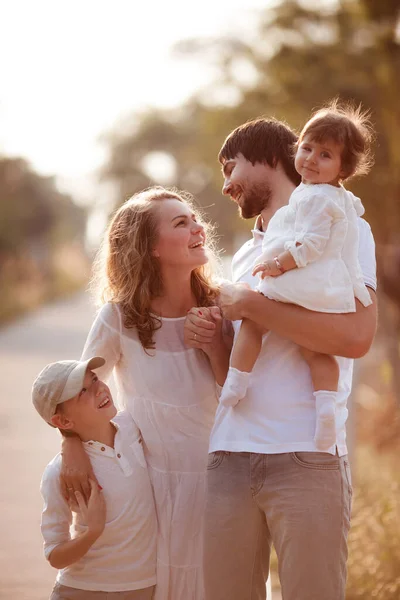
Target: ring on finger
195, 337
70, 489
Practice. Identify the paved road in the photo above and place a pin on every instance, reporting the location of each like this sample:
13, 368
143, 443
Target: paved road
27, 444
55, 331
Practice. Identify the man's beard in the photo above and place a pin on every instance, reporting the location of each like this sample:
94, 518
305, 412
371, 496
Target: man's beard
254, 201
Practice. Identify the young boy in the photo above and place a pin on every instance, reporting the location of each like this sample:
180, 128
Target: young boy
110, 552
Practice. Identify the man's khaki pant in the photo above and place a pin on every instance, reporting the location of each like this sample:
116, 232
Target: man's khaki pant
299, 501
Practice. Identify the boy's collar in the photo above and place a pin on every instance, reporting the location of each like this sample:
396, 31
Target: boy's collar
96, 444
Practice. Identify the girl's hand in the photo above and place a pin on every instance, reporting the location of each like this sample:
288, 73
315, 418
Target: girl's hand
267, 269
76, 470
93, 510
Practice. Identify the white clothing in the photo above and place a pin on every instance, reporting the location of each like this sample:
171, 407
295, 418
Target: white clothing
278, 413
124, 556
171, 394
321, 218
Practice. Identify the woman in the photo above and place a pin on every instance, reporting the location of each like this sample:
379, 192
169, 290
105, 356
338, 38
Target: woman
151, 271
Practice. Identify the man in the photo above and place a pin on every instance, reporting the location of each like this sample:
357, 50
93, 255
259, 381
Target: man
266, 481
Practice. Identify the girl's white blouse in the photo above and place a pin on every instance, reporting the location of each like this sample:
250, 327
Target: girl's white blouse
319, 228
171, 395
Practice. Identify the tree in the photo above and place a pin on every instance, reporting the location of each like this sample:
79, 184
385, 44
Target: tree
299, 59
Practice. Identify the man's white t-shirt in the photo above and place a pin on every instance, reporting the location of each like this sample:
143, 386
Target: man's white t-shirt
124, 556
278, 412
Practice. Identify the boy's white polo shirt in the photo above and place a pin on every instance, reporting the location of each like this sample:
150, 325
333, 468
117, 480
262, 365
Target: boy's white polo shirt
124, 556
278, 412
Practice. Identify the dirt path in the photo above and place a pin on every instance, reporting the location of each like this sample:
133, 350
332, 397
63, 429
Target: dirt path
27, 444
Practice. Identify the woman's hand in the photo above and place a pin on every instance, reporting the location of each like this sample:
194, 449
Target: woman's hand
203, 329
76, 470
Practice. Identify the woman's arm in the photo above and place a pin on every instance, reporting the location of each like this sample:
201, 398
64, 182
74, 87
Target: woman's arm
212, 337
76, 469
103, 340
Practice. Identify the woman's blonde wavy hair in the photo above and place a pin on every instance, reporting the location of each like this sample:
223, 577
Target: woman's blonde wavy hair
126, 272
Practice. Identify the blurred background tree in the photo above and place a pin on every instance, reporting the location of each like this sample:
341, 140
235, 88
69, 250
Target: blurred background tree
41, 239
302, 54
300, 58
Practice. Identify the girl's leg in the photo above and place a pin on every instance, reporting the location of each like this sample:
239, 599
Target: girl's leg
244, 355
325, 377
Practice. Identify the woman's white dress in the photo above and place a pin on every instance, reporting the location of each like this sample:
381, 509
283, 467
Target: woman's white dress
171, 395
319, 228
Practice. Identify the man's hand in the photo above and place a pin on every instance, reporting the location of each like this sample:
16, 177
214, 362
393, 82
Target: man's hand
231, 300
94, 510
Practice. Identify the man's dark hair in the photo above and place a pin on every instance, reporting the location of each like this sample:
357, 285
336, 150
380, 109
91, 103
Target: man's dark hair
264, 141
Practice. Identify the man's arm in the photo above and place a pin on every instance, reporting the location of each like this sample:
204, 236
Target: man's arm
348, 334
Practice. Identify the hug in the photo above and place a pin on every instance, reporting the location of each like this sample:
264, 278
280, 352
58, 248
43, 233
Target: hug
230, 434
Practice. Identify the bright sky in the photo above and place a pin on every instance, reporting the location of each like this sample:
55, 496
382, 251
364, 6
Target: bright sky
71, 68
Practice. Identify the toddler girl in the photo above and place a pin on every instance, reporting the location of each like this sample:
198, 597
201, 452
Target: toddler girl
310, 252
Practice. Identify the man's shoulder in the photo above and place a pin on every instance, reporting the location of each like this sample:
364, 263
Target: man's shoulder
242, 259
243, 249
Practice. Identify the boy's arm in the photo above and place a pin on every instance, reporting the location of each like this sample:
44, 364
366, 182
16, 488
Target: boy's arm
60, 549
56, 515
94, 515
67, 553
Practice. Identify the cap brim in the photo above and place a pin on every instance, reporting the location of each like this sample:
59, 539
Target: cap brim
95, 362
75, 380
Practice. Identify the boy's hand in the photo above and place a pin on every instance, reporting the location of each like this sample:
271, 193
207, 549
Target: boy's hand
267, 269
93, 511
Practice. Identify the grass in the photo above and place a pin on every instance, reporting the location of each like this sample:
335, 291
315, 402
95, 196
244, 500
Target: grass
374, 542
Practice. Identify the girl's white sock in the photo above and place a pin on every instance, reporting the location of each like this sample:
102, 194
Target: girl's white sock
235, 387
325, 431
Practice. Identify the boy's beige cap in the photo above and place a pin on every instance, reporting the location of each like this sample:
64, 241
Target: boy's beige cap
60, 381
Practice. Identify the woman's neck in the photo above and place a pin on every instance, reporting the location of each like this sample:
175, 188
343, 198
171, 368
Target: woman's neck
177, 296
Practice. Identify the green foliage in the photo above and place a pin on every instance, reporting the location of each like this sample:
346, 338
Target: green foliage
299, 59
374, 542
32, 209
35, 221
